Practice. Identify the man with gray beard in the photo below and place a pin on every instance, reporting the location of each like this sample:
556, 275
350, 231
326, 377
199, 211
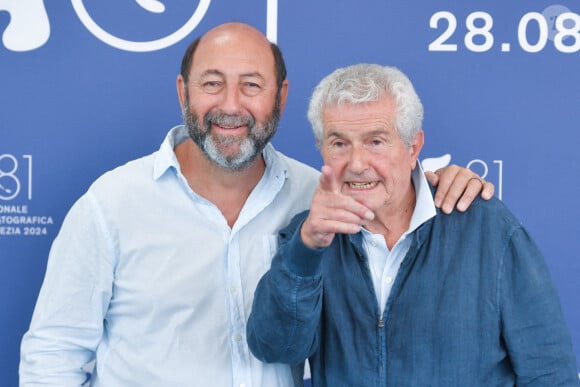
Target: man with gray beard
153, 273
250, 146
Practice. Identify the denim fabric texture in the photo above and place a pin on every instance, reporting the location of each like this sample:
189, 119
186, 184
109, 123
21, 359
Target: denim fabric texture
473, 304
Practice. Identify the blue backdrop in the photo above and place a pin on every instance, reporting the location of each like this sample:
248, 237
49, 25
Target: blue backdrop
88, 85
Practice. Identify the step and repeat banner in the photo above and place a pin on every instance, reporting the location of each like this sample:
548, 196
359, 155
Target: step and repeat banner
86, 85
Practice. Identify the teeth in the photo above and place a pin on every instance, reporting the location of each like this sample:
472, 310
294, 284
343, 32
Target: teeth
362, 185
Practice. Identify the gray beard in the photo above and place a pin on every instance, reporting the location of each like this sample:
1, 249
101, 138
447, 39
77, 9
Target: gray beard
250, 146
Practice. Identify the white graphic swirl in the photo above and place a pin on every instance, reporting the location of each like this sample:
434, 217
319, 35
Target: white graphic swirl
29, 27
152, 5
153, 45
434, 163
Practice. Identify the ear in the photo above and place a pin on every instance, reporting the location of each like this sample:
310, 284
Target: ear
181, 90
416, 147
283, 95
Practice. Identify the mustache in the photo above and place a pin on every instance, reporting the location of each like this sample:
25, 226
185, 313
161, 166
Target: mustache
228, 120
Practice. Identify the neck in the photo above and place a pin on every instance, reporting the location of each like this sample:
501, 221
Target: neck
227, 189
393, 220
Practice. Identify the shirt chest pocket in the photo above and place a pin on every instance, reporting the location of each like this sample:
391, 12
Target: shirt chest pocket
269, 247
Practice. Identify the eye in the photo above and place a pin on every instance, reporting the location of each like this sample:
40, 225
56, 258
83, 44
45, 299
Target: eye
251, 88
378, 145
212, 87
337, 146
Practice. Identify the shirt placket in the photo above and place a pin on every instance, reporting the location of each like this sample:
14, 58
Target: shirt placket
237, 338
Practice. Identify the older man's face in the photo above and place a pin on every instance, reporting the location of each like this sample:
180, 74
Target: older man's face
362, 146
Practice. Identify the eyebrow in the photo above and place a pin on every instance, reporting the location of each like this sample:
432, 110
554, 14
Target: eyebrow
333, 133
221, 74
252, 75
212, 72
376, 132
379, 132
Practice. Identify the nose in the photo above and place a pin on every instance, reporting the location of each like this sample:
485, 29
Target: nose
231, 102
358, 161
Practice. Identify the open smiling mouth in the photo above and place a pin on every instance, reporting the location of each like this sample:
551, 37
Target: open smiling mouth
362, 186
230, 127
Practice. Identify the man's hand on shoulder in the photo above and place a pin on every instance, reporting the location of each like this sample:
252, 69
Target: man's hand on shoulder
457, 186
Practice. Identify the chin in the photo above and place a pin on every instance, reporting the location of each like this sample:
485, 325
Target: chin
364, 199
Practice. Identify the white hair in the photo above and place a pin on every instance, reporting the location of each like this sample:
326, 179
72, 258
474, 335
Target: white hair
363, 83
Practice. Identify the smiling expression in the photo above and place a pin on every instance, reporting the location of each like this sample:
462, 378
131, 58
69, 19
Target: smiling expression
231, 103
362, 146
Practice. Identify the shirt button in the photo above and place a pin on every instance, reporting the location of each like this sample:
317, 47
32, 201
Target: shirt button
373, 243
388, 280
233, 290
238, 337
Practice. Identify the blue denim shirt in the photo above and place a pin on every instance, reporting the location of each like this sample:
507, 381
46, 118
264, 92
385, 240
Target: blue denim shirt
473, 304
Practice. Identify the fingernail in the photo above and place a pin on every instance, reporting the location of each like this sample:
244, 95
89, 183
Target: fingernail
369, 215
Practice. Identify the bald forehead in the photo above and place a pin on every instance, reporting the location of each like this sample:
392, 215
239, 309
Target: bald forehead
234, 43
232, 51
236, 30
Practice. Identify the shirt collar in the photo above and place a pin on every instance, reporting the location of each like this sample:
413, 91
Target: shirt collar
165, 158
424, 205
276, 168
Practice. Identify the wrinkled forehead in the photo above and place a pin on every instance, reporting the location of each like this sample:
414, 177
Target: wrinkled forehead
383, 109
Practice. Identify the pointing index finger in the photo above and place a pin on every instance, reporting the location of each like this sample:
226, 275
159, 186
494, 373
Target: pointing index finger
328, 180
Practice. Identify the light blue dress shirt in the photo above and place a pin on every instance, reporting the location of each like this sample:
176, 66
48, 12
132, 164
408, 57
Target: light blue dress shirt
147, 278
